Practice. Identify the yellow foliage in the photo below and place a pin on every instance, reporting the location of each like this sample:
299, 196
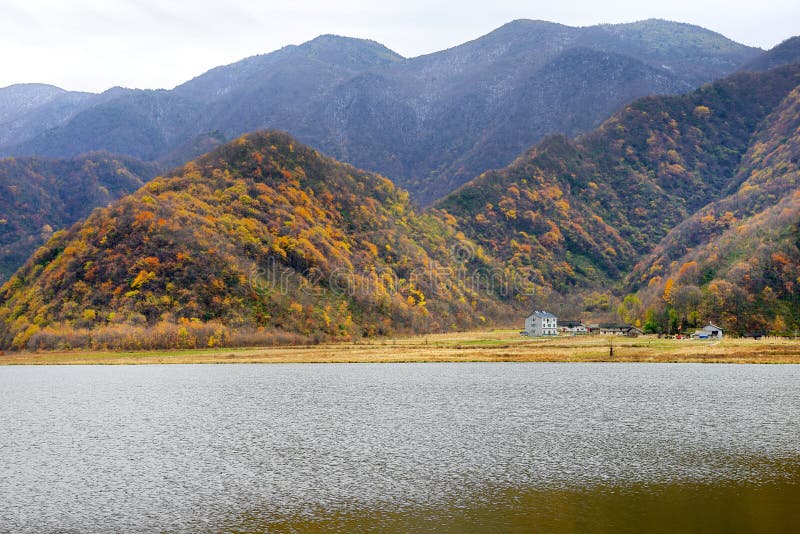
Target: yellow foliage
702, 112
142, 278
668, 290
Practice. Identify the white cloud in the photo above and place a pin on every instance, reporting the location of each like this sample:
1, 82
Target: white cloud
96, 44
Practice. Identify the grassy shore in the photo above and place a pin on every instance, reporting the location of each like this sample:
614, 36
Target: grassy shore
494, 346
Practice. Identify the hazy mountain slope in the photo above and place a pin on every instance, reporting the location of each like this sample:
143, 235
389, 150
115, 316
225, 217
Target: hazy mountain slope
194, 148
252, 93
571, 94
434, 122
39, 196
582, 212
142, 124
18, 99
261, 232
424, 122
692, 53
785, 53
737, 260
28, 109
327, 52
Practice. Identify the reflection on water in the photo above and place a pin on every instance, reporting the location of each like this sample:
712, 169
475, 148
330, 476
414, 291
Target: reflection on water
662, 508
533, 447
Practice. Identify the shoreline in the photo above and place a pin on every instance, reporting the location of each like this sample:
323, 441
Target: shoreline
495, 346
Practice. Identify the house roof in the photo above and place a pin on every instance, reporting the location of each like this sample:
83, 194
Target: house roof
712, 326
543, 315
619, 326
570, 324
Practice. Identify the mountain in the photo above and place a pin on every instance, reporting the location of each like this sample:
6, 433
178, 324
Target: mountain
267, 90
29, 109
19, 99
39, 196
327, 59
263, 235
141, 124
690, 202
576, 215
429, 123
571, 94
737, 260
785, 53
691, 52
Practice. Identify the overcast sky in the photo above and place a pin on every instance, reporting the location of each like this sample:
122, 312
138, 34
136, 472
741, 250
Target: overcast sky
92, 45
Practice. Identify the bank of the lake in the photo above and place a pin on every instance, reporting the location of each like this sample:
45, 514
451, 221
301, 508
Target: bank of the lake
490, 346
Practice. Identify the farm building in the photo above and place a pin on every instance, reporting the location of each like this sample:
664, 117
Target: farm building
616, 329
710, 331
572, 327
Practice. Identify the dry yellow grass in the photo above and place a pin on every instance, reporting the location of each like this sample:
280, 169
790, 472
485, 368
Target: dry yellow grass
495, 346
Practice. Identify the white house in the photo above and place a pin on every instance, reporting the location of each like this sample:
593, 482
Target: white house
541, 323
710, 331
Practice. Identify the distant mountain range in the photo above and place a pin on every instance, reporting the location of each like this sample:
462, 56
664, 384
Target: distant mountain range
687, 205
691, 202
429, 123
785, 53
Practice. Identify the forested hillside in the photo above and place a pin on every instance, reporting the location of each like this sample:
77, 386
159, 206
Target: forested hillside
574, 215
736, 261
40, 196
263, 236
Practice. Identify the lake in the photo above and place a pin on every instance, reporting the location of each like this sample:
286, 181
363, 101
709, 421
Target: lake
528, 447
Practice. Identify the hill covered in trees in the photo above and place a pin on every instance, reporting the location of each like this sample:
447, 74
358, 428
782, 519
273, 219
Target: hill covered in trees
574, 215
40, 196
429, 123
264, 236
736, 261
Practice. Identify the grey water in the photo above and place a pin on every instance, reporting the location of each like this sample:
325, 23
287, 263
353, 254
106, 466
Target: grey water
398, 447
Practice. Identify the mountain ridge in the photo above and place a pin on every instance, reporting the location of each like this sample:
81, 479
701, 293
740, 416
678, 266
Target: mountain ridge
563, 227
442, 106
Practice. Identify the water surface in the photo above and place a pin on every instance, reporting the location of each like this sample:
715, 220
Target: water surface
529, 447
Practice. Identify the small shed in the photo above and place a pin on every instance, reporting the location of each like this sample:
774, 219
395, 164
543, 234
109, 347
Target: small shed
710, 331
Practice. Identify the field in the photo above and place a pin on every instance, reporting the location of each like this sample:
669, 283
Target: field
491, 346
